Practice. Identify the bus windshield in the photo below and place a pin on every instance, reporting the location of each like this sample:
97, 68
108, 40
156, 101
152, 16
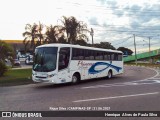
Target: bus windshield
45, 59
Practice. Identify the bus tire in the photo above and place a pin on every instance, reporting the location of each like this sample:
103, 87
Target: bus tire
75, 78
109, 76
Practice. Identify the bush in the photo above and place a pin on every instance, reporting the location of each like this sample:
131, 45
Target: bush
3, 68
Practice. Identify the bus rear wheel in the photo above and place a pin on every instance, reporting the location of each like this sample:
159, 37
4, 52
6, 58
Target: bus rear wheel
75, 79
109, 74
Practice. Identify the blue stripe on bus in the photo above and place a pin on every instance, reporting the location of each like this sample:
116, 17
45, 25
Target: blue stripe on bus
93, 71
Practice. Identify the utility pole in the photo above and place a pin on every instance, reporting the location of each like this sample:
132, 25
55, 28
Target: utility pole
135, 49
92, 33
149, 48
149, 45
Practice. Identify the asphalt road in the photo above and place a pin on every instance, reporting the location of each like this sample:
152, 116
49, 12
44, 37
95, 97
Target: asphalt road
138, 89
23, 65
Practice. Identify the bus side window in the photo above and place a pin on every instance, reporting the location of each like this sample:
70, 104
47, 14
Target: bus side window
80, 54
119, 57
91, 55
74, 54
107, 56
116, 56
112, 56
87, 54
96, 55
64, 56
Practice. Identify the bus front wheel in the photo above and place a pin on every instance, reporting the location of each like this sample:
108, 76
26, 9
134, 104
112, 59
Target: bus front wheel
109, 74
75, 79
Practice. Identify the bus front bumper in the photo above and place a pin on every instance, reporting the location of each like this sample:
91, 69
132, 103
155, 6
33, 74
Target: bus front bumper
44, 80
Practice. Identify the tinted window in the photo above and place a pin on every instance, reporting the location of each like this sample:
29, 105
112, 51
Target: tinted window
83, 54
119, 57
98, 55
91, 55
77, 54
45, 59
107, 56
87, 54
64, 55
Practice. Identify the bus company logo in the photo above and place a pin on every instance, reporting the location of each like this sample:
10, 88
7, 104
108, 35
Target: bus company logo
84, 64
93, 71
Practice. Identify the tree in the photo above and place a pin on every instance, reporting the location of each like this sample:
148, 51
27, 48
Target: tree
6, 52
26, 43
105, 45
39, 35
51, 34
3, 68
125, 51
74, 29
30, 35
81, 42
62, 40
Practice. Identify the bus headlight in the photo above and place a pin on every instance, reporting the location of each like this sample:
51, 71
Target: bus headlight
49, 76
34, 74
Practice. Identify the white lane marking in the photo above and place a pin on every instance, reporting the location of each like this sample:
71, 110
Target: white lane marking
115, 97
134, 83
106, 85
157, 73
126, 83
110, 85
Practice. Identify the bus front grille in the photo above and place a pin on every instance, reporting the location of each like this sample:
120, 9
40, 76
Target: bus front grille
40, 77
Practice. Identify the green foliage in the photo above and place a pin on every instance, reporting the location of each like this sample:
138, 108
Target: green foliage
74, 29
31, 34
71, 31
62, 40
105, 45
3, 68
125, 51
81, 42
6, 50
51, 34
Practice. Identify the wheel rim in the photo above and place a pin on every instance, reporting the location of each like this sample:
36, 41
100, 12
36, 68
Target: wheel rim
109, 74
74, 79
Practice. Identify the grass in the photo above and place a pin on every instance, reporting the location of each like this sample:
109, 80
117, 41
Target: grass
16, 77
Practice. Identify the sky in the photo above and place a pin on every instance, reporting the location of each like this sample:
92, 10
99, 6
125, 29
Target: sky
114, 21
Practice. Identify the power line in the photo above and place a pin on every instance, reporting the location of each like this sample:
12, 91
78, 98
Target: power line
138, 45
142, 36
123, 41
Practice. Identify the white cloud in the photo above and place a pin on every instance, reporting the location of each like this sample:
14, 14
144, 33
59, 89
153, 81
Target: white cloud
152, 22
116, 19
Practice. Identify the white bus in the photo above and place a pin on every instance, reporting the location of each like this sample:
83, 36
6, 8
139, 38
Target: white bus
62, 63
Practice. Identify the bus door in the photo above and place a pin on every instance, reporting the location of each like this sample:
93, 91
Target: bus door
63, 65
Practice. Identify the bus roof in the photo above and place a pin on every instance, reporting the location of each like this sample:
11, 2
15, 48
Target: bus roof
77, 46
